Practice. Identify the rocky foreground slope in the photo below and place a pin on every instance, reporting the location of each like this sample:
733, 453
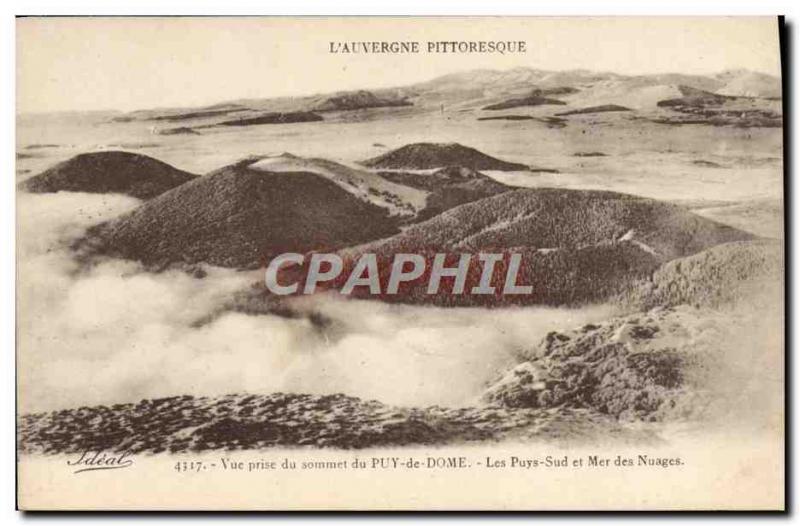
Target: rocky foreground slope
109, 172
247, 422
588, 384
706, 342
722, 275
644, 366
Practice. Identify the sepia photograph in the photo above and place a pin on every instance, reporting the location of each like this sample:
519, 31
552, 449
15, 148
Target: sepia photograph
400, 263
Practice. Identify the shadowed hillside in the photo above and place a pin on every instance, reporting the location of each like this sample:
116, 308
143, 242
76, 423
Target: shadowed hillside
448, 187
577, 246
238, 216
398, 199
549, 218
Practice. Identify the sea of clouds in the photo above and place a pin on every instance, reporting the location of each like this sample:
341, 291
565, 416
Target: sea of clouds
114, 333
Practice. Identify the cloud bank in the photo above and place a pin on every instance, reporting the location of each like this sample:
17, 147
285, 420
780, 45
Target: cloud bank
114, 333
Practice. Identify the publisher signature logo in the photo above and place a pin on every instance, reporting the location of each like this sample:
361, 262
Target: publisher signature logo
100, 460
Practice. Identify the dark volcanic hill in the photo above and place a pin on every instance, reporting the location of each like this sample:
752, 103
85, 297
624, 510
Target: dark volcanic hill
507, 118
533, 100
109, 172
358, 100
578, 246
696, 106
696, 98
197, 114
180, 130
440, 178
181, 114
273, 118
238, 216
605, 108
554, 91
551, 218
423, 156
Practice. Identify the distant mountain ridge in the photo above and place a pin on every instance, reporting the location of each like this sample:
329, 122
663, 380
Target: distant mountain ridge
358, 100
486, 87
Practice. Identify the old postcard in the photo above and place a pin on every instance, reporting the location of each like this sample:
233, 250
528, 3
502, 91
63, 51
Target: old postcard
400, 263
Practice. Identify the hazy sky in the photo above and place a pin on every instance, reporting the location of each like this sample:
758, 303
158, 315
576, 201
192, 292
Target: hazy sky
125, 64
